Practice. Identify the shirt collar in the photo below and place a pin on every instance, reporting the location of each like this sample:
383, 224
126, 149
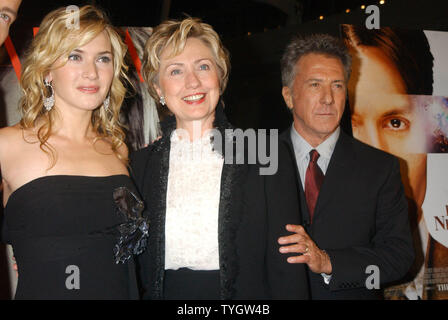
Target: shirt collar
302, 148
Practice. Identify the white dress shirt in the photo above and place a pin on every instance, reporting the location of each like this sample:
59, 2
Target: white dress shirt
192, 205
302, 152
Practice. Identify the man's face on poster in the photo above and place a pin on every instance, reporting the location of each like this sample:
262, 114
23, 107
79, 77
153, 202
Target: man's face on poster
8, 14
384, 116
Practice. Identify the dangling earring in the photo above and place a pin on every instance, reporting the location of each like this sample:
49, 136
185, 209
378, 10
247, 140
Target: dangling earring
162, 100
48, 102
106, 102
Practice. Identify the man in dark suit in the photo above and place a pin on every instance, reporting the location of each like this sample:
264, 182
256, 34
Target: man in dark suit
355, 234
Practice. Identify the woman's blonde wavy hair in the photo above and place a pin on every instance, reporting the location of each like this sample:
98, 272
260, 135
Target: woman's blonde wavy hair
57, 38
176, 33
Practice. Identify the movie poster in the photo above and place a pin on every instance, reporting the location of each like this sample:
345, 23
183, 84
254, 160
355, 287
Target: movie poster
398, 97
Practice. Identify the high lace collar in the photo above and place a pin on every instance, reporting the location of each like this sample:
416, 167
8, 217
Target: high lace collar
176, 137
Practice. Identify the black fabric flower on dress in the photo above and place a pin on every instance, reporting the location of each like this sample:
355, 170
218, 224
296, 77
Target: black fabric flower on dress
133, 233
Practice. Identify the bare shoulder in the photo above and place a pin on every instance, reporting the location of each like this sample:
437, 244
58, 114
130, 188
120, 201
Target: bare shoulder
10, 131
10, 142
117, 159
17, 143
123, 151
104, 145
9, 137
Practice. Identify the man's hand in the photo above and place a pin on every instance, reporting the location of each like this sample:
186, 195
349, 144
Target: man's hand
317, 260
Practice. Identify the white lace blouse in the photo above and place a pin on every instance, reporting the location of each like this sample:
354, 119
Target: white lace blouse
192, 205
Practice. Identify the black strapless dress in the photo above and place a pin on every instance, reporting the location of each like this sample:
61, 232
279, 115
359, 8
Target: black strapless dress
59, 228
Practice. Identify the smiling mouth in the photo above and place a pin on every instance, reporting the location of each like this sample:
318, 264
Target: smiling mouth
194, 98
89, 89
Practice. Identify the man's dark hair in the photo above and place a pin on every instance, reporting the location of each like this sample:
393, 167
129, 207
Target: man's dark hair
317, 44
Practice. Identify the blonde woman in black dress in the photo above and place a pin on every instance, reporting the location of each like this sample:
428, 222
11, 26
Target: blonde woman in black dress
65, 159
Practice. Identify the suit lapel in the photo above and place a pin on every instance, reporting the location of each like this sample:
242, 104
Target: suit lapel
228, 221
285, 137
156, 190
340, 168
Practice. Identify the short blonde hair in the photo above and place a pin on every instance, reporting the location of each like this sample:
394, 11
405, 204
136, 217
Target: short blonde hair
176, 33
55, 40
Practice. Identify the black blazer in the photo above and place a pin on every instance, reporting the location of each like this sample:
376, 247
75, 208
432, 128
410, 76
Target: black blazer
360, 219
253, 212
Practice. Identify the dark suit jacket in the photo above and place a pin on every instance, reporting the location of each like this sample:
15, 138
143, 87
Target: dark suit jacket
253, 212
360, 219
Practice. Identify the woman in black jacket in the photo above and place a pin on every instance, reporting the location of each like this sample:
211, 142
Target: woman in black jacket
214, 219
